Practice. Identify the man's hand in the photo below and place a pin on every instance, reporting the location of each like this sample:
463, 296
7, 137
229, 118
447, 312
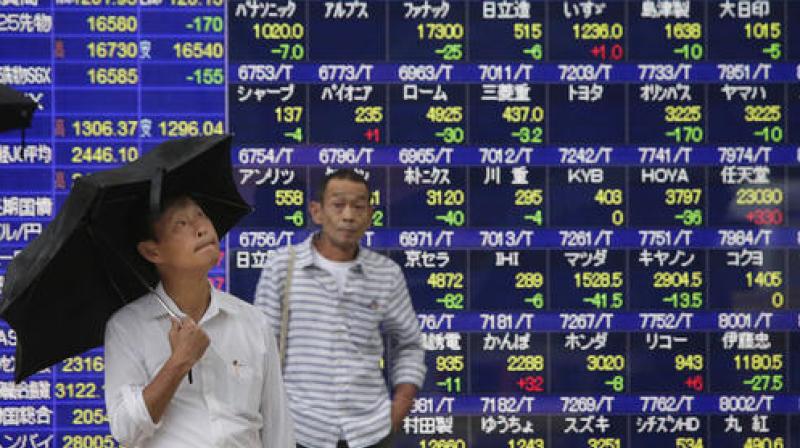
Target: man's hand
188, 342
401, 404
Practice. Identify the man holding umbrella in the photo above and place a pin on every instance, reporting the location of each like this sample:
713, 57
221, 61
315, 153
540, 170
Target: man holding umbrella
182, 390
186, 365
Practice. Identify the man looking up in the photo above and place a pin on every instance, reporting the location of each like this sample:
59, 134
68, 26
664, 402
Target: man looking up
209, 379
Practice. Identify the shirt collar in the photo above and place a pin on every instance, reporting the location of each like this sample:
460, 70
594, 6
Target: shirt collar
217, 303
304, 253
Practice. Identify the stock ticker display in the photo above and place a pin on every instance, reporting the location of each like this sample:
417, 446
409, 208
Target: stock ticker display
596, 203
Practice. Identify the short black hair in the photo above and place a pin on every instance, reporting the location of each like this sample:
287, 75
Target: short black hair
146, 228
341, 174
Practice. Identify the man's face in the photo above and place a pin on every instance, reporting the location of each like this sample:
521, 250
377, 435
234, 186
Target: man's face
185, 239
344, 213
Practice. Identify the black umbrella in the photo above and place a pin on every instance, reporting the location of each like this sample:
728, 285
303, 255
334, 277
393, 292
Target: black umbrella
62, 288
16, 109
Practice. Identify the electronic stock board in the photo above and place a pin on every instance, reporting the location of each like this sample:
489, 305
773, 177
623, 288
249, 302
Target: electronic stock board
595, 203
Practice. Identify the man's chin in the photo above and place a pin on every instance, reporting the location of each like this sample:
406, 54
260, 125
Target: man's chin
350, 239
209, 257
341, 240
352, 235
193, 267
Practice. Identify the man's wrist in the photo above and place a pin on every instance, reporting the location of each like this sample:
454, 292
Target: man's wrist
405, 391
403, 399
178, 366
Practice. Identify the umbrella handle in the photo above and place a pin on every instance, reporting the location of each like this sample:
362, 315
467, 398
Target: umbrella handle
172, 314
163, 303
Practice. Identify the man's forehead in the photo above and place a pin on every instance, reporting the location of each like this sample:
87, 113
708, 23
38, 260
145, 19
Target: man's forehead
345, 188
340, 193
174, 209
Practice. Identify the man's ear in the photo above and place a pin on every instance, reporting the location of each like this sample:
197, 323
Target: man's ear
149, 250
315, 209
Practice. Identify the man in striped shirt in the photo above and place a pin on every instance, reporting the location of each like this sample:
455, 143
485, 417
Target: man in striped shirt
343, 299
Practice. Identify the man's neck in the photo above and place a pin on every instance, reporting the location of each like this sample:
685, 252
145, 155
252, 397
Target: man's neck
333, 252
191, 293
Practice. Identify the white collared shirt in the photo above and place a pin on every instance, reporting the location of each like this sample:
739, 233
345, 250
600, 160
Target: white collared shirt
236, 398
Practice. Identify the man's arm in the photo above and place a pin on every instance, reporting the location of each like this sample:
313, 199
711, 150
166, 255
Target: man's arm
268, 293
402, 401
407, 357
125, 378
135, 403
188, 342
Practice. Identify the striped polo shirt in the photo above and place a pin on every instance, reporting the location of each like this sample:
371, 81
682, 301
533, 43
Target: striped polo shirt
333, 378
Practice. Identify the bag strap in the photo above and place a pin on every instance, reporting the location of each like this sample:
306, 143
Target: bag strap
284, 328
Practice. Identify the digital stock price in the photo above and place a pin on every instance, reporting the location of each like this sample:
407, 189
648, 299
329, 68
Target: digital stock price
596, 204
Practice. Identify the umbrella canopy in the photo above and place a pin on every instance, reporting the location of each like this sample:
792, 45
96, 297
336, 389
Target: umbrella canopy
62, 288
16, 109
